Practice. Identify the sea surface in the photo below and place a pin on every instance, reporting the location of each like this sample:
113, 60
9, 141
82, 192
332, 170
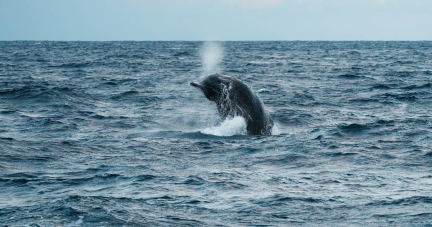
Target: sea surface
112, 134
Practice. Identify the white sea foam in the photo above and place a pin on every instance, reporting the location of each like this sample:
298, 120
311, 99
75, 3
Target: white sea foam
77, 223
229, 127
275, 130
211, 55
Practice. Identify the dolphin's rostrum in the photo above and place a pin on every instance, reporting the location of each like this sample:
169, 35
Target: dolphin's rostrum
234, 98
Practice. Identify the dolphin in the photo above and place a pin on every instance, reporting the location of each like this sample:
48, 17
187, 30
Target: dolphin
234, 98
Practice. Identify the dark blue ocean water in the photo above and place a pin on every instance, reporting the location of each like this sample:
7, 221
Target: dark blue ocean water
111, 134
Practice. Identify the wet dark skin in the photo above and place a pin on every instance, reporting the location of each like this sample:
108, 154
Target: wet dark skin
234, 98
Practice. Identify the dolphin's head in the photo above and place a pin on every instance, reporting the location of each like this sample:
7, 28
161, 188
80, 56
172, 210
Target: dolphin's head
211, 86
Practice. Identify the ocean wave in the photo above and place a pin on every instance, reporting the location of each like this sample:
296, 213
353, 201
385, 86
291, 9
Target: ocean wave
111, 133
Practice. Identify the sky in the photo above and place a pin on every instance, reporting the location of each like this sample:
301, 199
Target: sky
210, 20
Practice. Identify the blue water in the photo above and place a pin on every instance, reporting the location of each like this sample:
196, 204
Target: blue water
111, 134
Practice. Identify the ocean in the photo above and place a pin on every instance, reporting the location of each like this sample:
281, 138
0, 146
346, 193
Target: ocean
112, 134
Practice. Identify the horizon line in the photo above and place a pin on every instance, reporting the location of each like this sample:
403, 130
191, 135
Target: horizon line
311, 40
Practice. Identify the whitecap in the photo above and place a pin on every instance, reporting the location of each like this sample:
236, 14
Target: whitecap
229, 127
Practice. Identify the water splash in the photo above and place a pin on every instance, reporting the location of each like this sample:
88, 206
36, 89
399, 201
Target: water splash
229, 127
211, 55
275, 130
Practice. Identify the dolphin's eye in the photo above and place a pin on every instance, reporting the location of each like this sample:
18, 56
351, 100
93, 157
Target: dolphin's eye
211, 94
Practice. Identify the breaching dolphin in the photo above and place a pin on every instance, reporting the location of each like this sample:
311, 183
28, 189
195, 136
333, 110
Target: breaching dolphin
234, 98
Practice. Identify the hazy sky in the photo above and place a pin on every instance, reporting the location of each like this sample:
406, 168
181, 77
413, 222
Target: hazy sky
215, 19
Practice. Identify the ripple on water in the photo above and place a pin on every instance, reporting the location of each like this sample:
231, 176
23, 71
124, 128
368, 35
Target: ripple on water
110, 133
